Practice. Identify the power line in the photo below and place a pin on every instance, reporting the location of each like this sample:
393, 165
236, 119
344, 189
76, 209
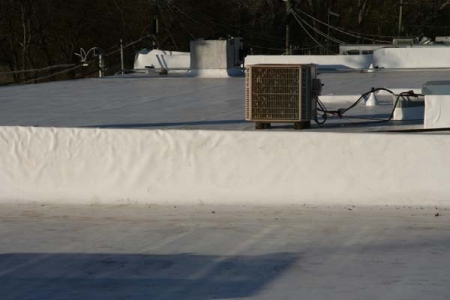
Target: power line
52, 75
37, 70
181, 23
133, 43
283, 49
304, 29
373, 35
72, 67
167, 26
267, 37
342, 31
267, 48
255, 35
318, 31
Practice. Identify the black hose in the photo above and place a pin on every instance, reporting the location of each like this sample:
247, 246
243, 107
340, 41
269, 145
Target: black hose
340, 112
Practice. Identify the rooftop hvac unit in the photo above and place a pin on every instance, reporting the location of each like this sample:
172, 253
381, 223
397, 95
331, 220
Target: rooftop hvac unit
281, 94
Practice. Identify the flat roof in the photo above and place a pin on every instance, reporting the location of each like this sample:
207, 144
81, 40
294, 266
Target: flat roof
157, 102
223, 252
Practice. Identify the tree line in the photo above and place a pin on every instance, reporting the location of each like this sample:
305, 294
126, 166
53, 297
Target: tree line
40, 33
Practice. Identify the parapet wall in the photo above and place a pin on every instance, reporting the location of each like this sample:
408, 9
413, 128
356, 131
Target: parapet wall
212, 55
90, 166
408, 58
387, 58
324, 61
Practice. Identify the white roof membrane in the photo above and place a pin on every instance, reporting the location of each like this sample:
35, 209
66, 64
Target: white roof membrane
178, 102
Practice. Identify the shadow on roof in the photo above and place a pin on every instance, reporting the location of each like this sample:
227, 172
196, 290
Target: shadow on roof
168, 124
135, 276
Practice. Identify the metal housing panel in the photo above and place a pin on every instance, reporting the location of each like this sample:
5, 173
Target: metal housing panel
279, 93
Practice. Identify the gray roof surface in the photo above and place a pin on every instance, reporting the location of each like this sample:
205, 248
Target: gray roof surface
177, 102
159, 252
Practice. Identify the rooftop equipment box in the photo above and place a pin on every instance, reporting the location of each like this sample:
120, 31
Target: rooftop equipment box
216, 54
408, 108
437, 104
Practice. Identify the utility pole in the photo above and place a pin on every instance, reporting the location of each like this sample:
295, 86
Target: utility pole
335, 15
156, 23
121, 57
100, 65
400, 16
288, 14
328, 40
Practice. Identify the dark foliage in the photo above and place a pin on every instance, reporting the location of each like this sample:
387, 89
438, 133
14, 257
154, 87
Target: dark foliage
40, 33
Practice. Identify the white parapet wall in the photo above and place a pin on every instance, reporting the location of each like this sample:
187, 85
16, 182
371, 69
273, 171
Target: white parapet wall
405, 58
92, 166
324, 61
161, 59
209, 58
437, 111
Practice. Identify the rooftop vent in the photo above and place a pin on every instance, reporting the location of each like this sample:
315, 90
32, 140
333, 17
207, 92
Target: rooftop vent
403, 42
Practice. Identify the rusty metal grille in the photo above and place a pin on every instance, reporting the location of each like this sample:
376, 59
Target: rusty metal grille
306, 74
273, 93
248, 87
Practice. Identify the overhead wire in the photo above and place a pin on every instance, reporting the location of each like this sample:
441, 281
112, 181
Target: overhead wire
306, 31
37, 70
53, 75
132, 43
181, 22
167, 27
282, 49
306, 48
340, 30
373, 35
72, 67
256, 35
318, 31
262, 36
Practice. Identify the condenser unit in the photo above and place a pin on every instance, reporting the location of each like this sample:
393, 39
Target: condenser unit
281, 94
